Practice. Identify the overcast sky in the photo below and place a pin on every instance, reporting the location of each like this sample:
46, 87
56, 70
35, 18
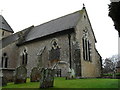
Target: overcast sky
21, 14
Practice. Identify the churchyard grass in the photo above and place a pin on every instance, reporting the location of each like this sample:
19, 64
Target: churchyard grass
75, 83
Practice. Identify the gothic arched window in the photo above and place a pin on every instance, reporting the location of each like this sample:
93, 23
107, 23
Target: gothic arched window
4, 62
24, 57
86, 46
54, 53
3, 33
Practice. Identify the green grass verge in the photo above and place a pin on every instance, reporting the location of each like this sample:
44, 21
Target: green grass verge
75, 83
110, 74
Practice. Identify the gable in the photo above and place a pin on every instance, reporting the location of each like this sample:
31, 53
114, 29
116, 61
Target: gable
14, 37
86, 24
4, 25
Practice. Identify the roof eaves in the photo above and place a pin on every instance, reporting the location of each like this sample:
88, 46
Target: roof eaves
7, 30
24, 42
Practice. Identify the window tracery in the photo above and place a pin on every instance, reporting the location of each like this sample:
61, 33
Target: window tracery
54, 53
86, 46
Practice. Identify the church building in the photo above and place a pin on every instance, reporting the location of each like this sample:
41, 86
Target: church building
67, 39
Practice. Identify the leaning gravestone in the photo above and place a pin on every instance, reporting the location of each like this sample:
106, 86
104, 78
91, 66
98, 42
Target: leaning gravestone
35, 74
20, 75
47, 78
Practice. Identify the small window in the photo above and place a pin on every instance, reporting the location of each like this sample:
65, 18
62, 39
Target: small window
4, 62
3, 33
2, 22
24, 57
84, 17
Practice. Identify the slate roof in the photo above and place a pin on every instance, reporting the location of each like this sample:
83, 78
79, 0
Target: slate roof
8, 40
51, 27
14, 37
57, 25
4, 25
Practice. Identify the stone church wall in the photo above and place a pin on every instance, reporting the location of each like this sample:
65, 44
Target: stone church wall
12, 53
98, 65
35, 48
88, 68
4, 33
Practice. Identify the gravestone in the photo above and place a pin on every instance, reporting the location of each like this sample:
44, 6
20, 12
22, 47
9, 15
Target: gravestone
35, 74
57, 72
47, 78
3, 80
20, 75
70, 74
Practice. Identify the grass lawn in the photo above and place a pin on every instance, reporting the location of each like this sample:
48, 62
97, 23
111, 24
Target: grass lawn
75, 83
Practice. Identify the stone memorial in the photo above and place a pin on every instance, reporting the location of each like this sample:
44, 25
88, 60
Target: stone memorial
20, 75
35, 74
70, 74
57, 72
47, 78
3, 80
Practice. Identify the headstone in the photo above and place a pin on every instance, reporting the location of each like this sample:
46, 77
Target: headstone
35, 74
57, 72
70, 74
3, 80
47, 78
20, 75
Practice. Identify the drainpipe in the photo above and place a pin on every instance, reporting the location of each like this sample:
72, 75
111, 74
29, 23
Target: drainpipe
69, 38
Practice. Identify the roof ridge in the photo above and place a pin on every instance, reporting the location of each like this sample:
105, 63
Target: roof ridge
59, 24
58, 18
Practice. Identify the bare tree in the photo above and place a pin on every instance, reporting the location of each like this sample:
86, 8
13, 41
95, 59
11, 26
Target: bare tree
110, 65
